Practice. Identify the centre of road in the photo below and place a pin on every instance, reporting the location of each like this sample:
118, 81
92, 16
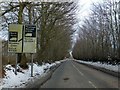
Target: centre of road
77, 69
92, 84
83, 75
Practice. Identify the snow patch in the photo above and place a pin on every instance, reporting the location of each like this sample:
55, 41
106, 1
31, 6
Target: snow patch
20, 80
102, 65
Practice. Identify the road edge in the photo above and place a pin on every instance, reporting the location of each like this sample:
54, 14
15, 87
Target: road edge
42, 79
116, 74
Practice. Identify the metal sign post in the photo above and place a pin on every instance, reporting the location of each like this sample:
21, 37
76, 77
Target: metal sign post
16, 64
32, 65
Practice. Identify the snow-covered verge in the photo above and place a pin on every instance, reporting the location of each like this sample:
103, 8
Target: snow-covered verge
18, 81
111, 67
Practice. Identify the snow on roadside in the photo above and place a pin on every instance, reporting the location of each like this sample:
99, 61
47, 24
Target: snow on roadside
1, 83
102, 65
15, 81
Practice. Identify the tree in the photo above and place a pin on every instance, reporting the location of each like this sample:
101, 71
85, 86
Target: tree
56, 29
54, 24
98, 36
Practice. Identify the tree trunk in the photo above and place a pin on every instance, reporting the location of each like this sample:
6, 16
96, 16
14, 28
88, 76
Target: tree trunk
21, 56
119, 33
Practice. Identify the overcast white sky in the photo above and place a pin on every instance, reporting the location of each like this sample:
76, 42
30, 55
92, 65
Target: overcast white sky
84, 8
83, 12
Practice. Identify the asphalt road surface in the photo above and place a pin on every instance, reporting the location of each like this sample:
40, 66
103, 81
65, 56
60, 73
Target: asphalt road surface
74, 75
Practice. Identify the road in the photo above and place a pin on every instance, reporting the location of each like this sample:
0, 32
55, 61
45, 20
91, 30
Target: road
74, 75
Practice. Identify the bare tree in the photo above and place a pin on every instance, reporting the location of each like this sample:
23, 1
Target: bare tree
54, 24
98, 36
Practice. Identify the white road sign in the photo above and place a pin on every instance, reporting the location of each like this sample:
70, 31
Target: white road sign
15, 38
29, 39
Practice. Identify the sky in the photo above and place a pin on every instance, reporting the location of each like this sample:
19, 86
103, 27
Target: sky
84, 7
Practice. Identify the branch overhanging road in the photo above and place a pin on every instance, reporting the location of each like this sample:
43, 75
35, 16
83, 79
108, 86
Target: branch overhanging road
74, 75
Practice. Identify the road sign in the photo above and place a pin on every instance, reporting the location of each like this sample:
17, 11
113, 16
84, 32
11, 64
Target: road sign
29, 39
15, 38
22, 39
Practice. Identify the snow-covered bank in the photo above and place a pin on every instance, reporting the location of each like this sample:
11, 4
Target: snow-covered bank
18, 81
102, 65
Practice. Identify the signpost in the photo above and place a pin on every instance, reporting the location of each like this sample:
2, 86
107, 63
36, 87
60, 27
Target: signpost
15, 38
30, 39
30, 42
22, 39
